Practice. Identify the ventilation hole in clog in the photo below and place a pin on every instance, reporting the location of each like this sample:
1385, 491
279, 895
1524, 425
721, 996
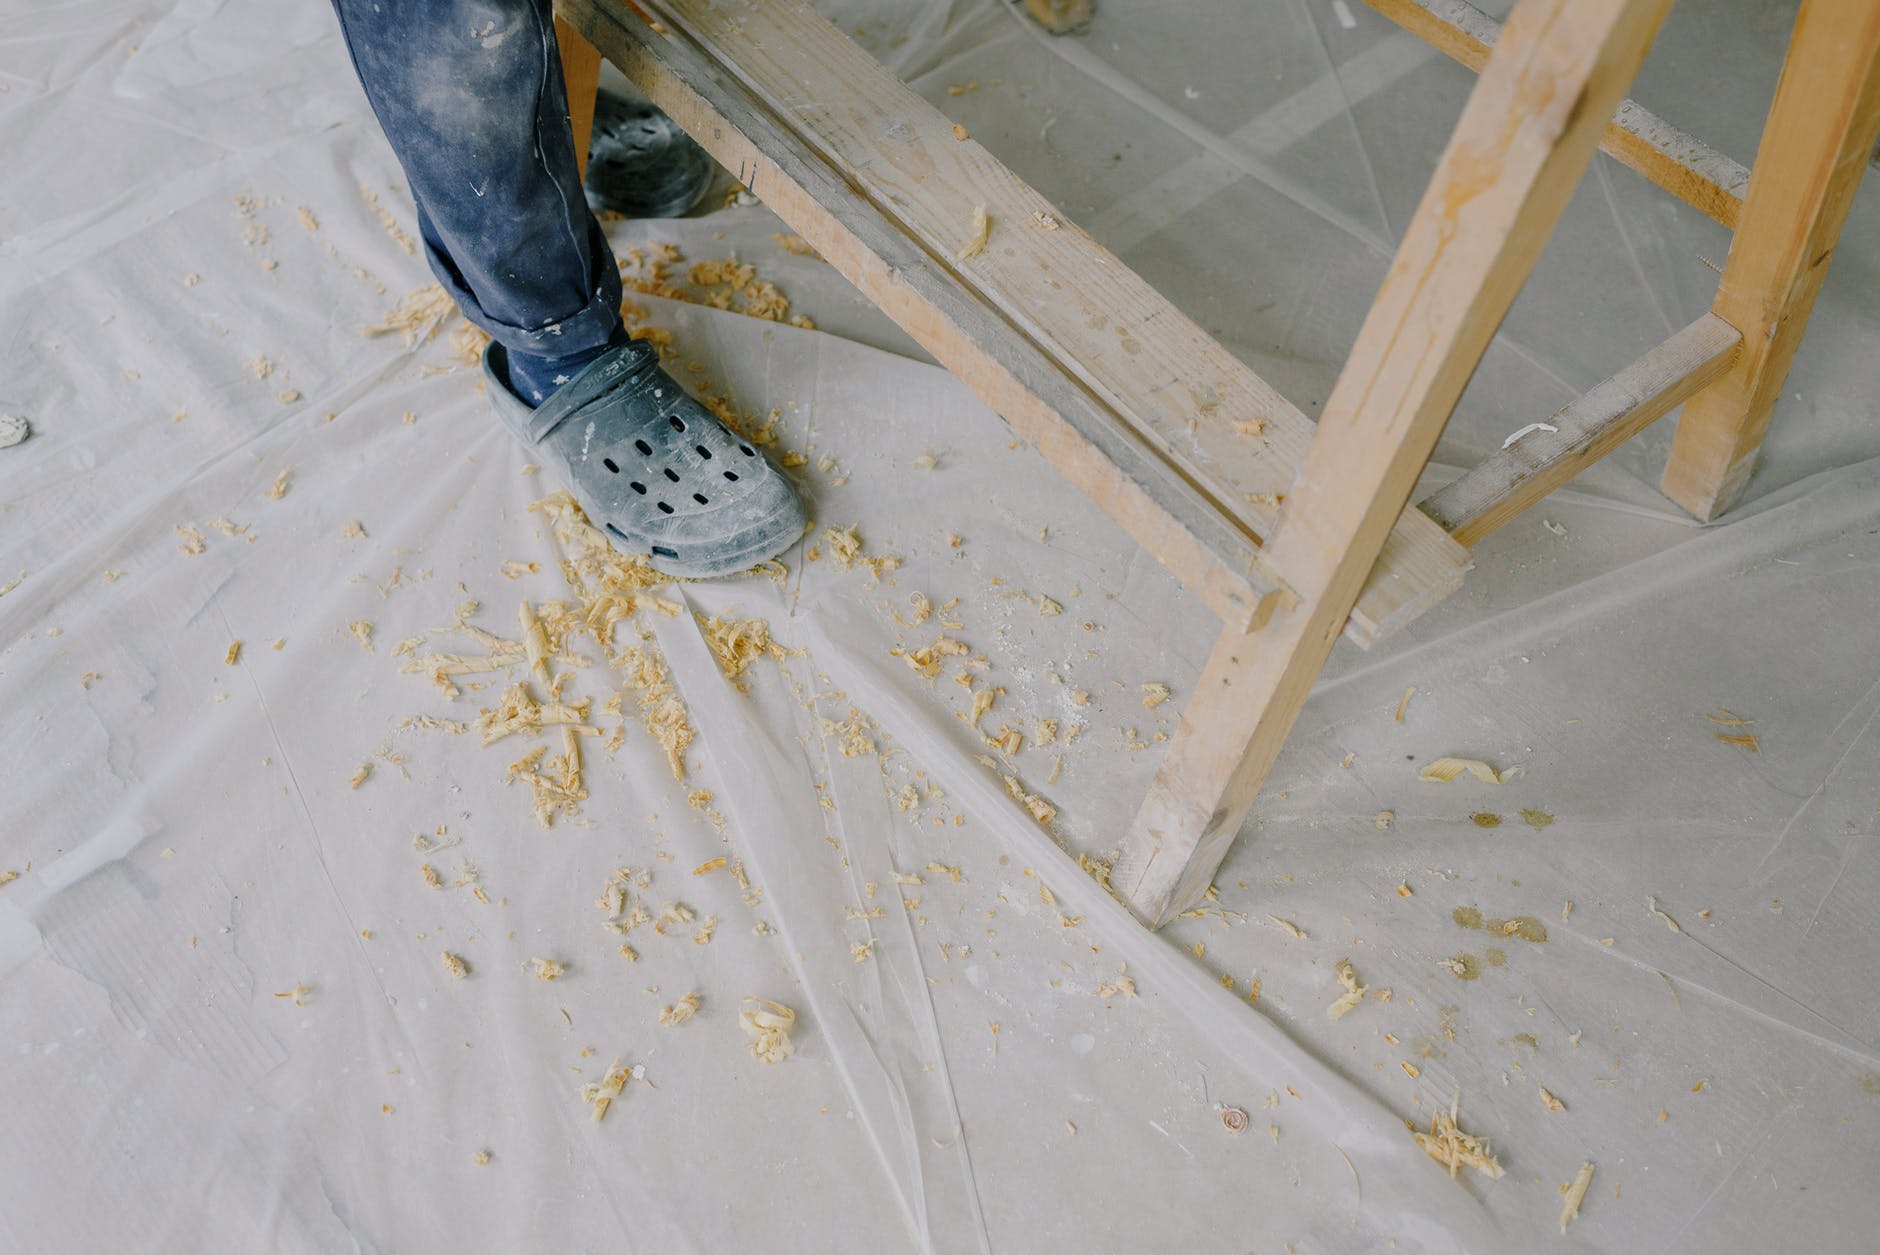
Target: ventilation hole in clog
638, 487
732, 476
670, 475
664, 508
610, 465
700, 498
660, 551
703, 452
678, 424
616, 531
646, 450
747, 451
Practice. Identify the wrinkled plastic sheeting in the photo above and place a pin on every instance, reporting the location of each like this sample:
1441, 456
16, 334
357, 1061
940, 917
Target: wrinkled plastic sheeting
196, 851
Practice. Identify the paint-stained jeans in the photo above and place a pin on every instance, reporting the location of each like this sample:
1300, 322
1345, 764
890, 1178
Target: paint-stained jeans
470, 95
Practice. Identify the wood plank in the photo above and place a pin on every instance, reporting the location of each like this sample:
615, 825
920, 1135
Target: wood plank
1814, 148
1524, 139
1689, 169
581, 77
1520, 474
1234, 439
1086, 441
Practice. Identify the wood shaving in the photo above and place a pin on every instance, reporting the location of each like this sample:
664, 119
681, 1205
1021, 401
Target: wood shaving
431, 877
959, 132
861, 951
1045, 221
628, 953
600, 1097
845, 545
1403, 703
1154, 695
1652, 904
671, 915
278, 488
1448, 1145
454, 966
1049, 608
234, 654
546, 969
981, 232
1445, 769
1298, 932
360, 774
192, 544
1250, 426
768, 1024
1041, 810
680, 1011
361, 630
705, 931
709, 865
737, 643
1575, 1191
1123, 985
1354, 992
1549, 1101
299, 993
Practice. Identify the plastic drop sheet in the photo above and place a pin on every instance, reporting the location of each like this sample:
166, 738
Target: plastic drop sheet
226, 1021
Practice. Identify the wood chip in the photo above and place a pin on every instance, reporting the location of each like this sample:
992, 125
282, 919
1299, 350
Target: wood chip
278, 489
1575, 1191
1403, 703
454, 966
1549, 1101
234, 654
768, 1025
680, 1011
1354, 992
982, 229
546, 969
1154, 695
1448, 1145
1447, 768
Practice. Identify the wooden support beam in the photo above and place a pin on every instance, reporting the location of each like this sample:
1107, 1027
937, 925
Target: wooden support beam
1524, 139
1690, 170
581, 78
1520, 474
1814, 148
1090, 445
1176, 438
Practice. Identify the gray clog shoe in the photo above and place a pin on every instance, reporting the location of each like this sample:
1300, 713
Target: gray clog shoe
652, 466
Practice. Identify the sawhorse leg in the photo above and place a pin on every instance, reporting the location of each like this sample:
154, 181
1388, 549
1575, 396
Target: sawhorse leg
1530, 127
581, 73
1815, 145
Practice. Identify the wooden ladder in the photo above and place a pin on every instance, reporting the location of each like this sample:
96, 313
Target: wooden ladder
1290, 532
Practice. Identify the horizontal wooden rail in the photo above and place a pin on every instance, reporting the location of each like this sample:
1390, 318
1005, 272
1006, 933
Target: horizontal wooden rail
1689, 169
1520, 474
1179, 441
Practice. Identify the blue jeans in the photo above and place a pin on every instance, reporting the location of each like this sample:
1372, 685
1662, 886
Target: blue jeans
470, 94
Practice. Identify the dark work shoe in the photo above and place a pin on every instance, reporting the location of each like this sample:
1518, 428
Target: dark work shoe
640, 164
652, 466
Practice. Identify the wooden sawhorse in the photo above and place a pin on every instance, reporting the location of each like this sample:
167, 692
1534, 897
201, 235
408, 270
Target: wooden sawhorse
1291, 532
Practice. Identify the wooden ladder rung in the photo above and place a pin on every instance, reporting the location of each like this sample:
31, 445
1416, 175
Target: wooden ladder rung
1589, 428
1689, 169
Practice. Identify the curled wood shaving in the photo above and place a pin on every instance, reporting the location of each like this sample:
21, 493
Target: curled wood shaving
360, 774
976, 242
1354, 992
845, 545
600, 1097
768, 1024
737, 643
680, 1011
1446, 768
1448, 1145
1575, 1191
1289, 926
1403, 703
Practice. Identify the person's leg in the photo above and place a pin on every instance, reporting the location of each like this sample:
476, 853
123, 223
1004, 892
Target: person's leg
470, 94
